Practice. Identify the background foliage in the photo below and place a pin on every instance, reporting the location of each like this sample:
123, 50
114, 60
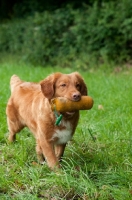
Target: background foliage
99, 29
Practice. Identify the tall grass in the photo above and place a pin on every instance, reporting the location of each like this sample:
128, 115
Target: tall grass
97, 167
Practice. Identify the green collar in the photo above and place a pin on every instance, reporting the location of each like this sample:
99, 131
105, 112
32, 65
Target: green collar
58, 117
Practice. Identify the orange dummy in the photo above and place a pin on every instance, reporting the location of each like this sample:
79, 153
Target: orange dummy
62, 104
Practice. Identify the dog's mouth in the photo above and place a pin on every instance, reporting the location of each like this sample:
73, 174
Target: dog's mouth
68, 114
65, 113
71, 113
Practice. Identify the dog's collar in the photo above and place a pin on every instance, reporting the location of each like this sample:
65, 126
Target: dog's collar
58, 117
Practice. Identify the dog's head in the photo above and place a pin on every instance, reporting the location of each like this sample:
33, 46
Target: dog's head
71, 86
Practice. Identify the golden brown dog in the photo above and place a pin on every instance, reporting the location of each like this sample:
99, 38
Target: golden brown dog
29, 106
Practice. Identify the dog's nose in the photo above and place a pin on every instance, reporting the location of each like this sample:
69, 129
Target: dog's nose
76, 96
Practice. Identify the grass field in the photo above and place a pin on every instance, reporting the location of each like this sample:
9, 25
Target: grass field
97, 167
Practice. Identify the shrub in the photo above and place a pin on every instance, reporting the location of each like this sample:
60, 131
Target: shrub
102, 31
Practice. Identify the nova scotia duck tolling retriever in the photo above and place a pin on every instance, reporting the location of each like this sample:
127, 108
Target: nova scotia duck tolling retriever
29, 106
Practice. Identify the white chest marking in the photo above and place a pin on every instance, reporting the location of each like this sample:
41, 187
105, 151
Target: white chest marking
64, 135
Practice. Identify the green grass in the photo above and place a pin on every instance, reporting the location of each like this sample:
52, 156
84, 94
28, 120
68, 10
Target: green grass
99, 169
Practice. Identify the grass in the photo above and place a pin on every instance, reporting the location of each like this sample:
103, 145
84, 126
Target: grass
98, 168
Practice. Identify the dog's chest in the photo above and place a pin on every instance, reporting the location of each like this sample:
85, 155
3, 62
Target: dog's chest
64, 135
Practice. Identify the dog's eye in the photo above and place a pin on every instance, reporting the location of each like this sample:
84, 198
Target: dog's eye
63, 85
78, 86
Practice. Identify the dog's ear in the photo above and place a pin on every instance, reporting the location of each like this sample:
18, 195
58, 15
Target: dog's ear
83, 89
48, 85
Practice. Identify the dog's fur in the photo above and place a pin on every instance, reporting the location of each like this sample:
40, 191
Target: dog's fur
29, 106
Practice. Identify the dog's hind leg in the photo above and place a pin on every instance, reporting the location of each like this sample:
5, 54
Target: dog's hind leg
13, 127
14, 124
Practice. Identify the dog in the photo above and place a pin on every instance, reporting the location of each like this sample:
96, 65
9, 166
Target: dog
29, 106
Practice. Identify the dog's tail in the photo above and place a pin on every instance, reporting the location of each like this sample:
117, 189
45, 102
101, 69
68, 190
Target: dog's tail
14, 82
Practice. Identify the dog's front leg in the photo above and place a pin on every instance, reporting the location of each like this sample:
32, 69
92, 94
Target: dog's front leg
49, 153
59, 150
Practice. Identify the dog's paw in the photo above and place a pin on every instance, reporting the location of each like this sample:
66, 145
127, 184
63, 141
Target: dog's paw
42, 162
